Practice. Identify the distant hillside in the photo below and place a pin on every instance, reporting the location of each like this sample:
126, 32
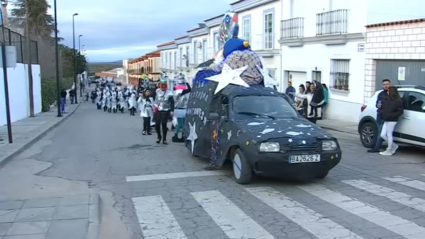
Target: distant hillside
107, 63
94, 67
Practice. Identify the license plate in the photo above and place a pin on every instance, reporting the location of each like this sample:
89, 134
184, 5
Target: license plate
304, 158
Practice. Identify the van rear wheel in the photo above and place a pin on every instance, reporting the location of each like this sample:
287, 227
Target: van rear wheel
242, 171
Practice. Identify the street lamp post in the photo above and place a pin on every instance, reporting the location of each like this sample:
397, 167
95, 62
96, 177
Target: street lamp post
75, 56
28, 52
79, 55
57, 63
79, 43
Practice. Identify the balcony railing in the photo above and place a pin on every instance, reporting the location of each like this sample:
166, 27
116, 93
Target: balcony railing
333, 22
292, 28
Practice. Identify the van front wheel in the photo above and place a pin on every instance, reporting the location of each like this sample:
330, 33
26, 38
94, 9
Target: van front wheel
242, 171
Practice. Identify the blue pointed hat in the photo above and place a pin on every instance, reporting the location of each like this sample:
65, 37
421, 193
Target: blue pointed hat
235, 44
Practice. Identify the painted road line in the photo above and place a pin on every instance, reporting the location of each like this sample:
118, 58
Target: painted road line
156, 219
232, 220
416, 184
368, 212
306, 218
398, 197
151, 177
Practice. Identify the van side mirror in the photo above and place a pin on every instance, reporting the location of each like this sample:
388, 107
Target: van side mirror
214, 116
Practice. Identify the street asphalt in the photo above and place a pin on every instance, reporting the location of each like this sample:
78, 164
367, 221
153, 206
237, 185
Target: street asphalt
365, 196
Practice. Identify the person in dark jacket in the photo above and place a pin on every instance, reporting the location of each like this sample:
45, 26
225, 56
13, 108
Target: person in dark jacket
63, 100
381, 98
163, 110
392, 109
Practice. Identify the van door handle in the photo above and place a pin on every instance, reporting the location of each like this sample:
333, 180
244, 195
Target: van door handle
406, 117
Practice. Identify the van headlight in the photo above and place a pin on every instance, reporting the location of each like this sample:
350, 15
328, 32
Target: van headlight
269, 147
329, 145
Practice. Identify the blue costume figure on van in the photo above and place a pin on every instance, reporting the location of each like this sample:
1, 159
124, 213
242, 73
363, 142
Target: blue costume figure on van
236, 53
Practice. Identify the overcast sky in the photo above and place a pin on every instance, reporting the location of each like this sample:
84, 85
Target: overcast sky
121, 29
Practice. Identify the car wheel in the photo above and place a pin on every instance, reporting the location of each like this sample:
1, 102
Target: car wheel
368, 134
322, 175
242, 171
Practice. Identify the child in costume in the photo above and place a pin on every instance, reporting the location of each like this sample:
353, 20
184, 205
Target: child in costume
181, 97
164, 108
146, 111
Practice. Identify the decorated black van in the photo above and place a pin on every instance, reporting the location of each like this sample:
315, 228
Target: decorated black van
258, 131
235, 114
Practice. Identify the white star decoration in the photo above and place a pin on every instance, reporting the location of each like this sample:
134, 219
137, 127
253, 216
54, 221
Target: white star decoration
192, 134
228, 76
229, 135
268, 81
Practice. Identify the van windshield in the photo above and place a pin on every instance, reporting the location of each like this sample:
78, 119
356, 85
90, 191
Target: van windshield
263, 106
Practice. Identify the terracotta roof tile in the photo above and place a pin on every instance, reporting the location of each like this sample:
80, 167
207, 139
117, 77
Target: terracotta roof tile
396, 23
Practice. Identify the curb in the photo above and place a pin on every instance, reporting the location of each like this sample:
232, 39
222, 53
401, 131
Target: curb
338, 130
95, 211
9, 158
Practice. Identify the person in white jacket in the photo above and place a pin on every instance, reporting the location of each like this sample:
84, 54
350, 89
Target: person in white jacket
146, 111
121, 101
114, 102
132, 103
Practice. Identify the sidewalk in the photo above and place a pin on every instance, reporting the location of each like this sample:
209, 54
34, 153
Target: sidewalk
338, 125
27, 131
51, 218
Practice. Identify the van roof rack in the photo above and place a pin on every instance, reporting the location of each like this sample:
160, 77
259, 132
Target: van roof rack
419, 87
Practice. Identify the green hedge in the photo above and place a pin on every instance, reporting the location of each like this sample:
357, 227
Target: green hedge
49, 91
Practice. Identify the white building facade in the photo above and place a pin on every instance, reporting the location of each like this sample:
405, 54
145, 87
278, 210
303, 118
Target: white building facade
183, 56
259, 25
199, 51
324, 41
168, 58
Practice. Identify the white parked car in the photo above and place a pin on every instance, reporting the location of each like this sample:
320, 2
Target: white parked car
411, 126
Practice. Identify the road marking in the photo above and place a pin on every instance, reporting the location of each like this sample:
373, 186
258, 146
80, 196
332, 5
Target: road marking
232, 220
402, 198
373, 214
151, 177
156, 219
308, 219
416, 184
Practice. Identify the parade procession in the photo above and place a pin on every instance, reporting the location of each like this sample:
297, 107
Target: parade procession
230, 109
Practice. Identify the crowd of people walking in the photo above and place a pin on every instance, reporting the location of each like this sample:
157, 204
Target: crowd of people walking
157, 104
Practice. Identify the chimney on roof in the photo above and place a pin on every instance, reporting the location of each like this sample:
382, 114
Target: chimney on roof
202, 25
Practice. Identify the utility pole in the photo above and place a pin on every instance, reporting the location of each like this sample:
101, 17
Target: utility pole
28, 56
75, 56
58, 93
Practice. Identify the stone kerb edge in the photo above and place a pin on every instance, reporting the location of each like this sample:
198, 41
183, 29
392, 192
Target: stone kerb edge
9, 157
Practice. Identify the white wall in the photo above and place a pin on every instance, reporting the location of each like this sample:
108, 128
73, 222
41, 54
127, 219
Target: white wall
211, 51
199, 51
342, 105
308, 9
19, 93
257, 24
